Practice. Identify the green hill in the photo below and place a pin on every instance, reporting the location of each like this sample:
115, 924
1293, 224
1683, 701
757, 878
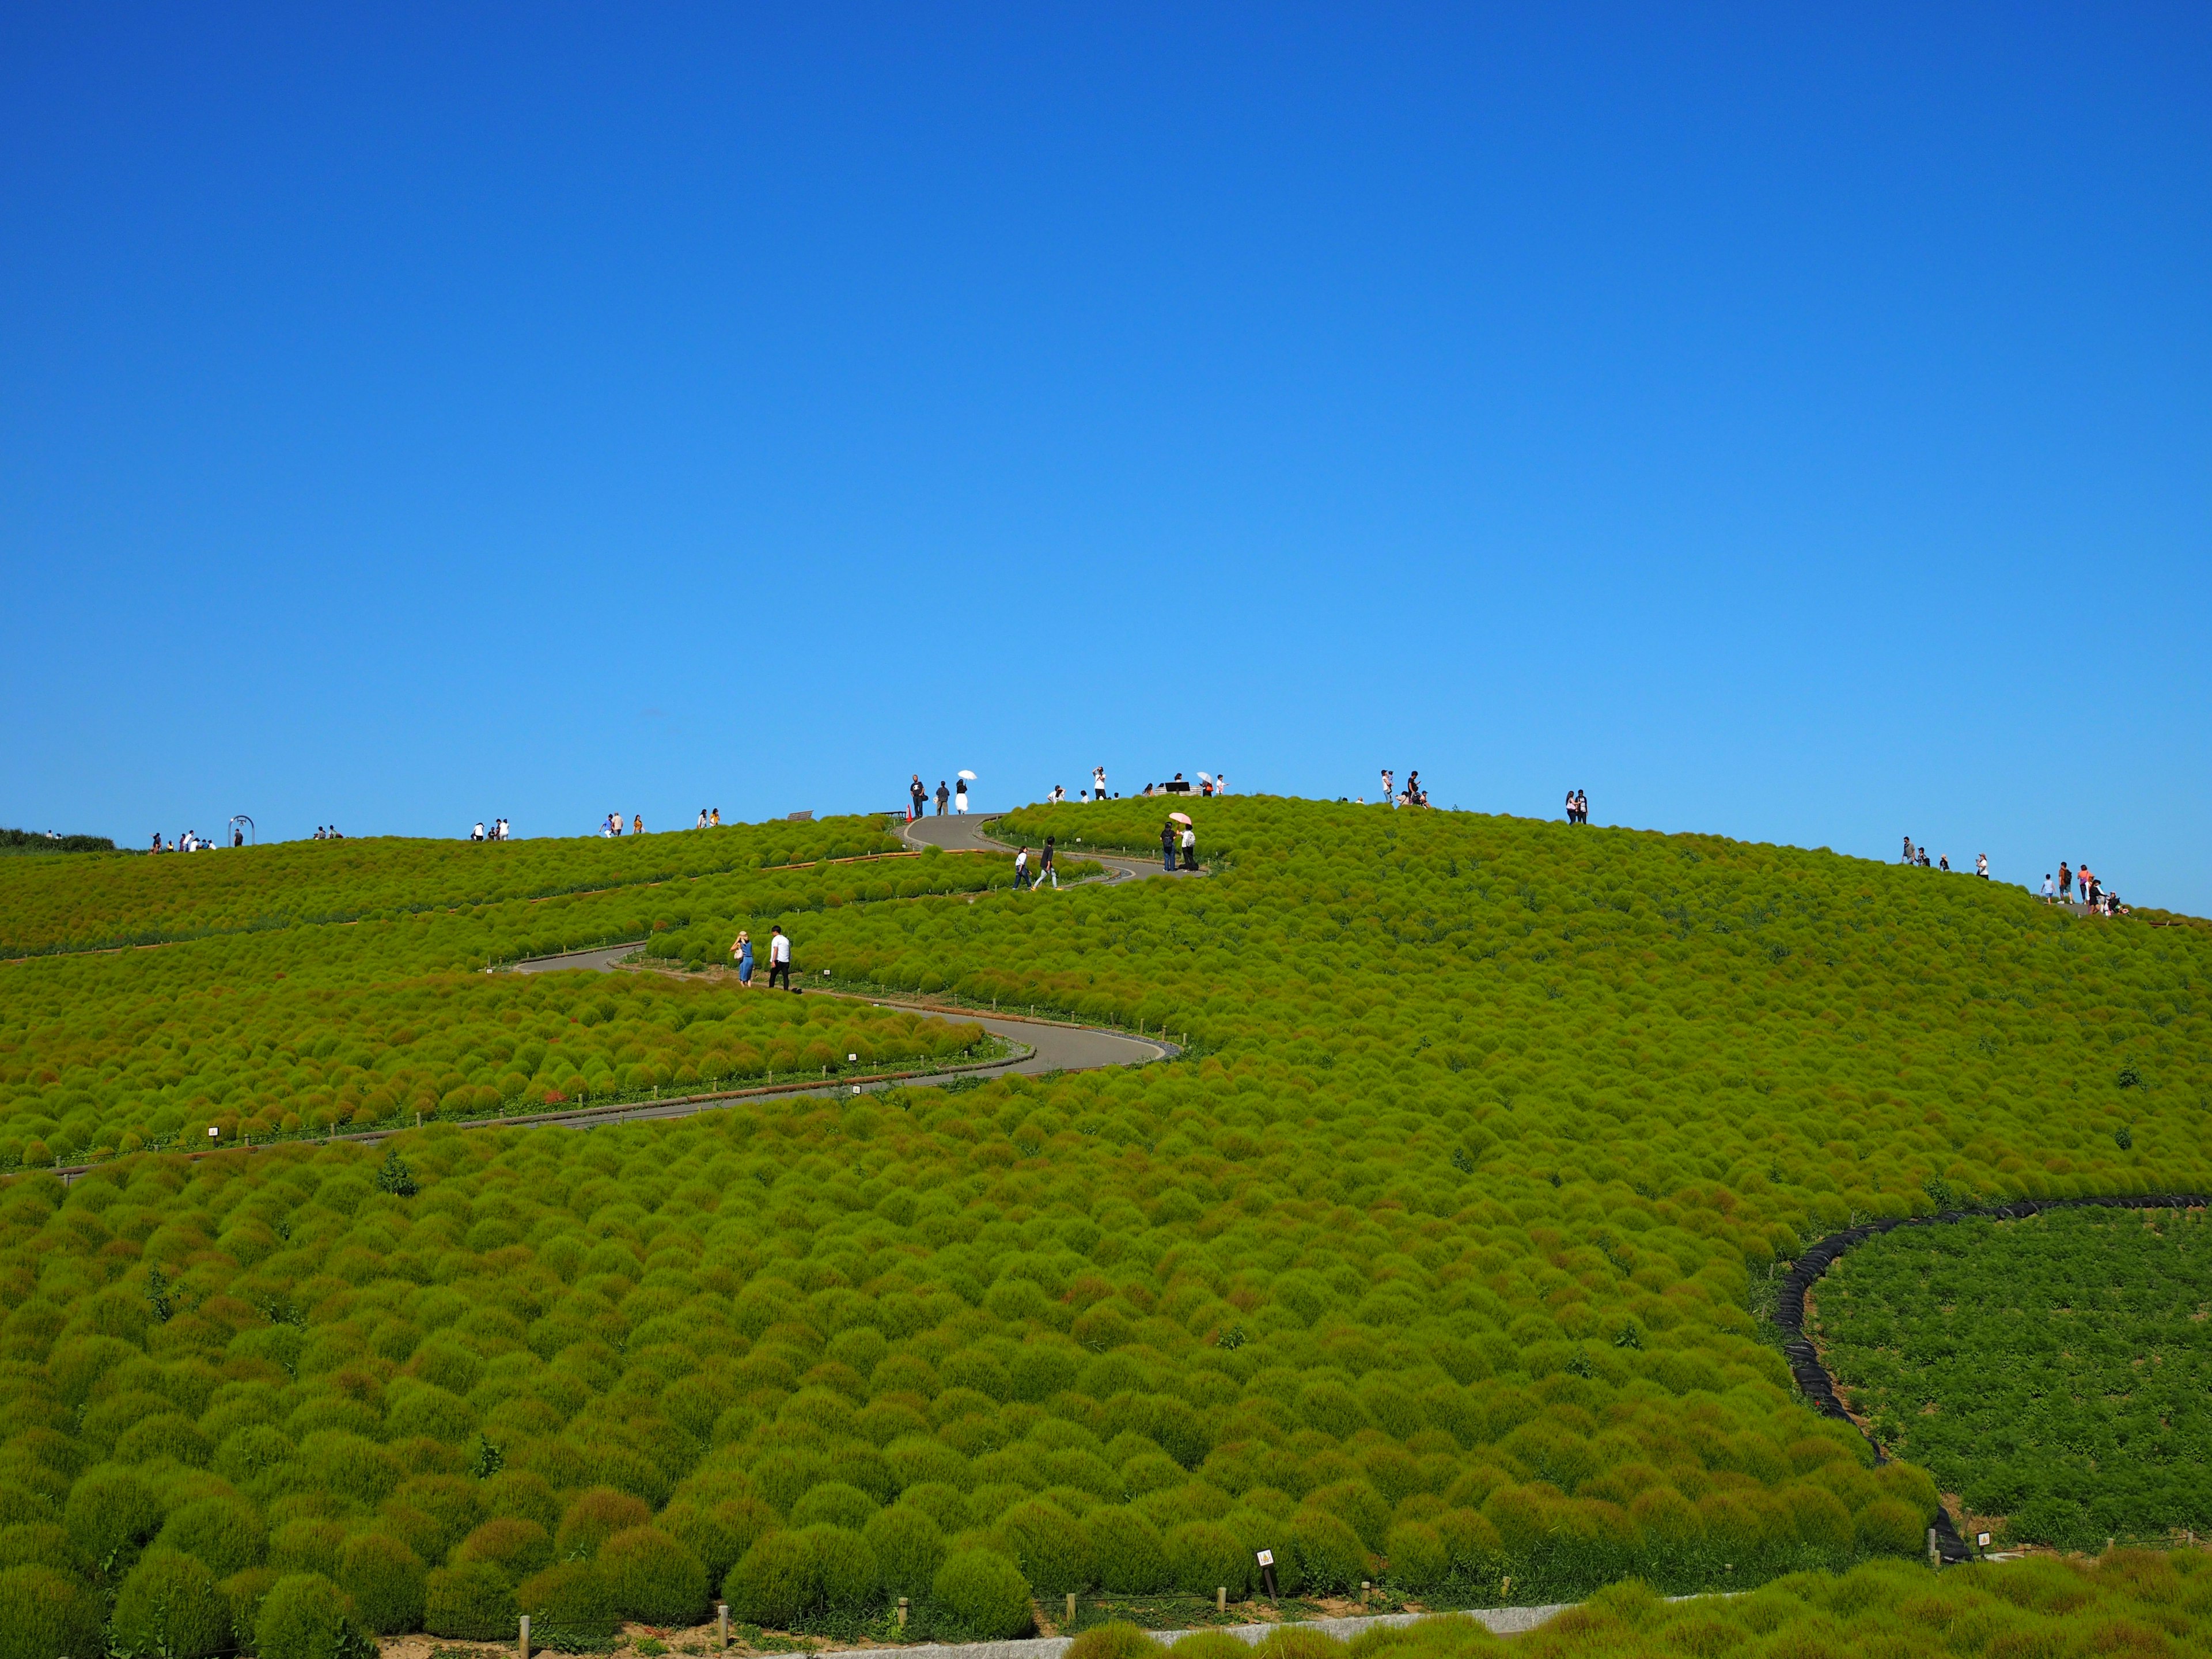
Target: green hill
1437, 1262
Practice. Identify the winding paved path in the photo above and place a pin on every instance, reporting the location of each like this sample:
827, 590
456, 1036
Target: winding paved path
965, 834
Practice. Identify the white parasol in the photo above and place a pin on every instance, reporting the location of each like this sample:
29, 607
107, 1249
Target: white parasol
1180, 817
968, 777
1205, 777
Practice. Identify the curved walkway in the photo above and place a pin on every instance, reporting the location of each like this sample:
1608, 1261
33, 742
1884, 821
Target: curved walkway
966, 834
1812, 1376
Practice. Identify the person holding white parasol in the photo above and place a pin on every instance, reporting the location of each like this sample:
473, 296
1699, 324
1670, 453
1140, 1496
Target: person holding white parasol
960, 794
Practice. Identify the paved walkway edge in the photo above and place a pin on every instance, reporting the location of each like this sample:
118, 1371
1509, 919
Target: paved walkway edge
1505, 1621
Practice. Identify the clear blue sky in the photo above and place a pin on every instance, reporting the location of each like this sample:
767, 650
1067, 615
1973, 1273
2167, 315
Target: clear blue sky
1783, 422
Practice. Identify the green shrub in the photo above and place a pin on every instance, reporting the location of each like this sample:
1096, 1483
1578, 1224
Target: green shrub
569, 1604
308, 1545
1418, 1555
39, 1545
1126, 1551
1203, 1556
517, 1548
652, 1577
1048, 1546
718, 1533
834, 1504
1117, 1640
472, 1601
304, 1616
1890, 1525
1330, 1557
983, 1594
386, 1582
45, 1615
110, 1512
523, 1495
771, 1585
1211, 1644
226, 1532
596, 1516
909, 1546
243, 1594
170, 1609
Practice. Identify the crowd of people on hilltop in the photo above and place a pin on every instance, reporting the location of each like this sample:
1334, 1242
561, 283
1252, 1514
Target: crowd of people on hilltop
2099, 899
2095, 898
188, 840
710, 817
1412, 795
953, 795
497, 832
613, 825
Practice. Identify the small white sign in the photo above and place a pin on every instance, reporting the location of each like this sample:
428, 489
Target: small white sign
1981, 1539
1267, 1558
213, 1132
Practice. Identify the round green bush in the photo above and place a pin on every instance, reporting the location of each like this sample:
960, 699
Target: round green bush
1211, 1644
1890, 1525
1203, 1556
523, 1495
110, 1511
651, 1578
834, 1504
947, 1506
596, 1516
1050, 1546
1118, 1640
770, 1585
517, 1548
1358, 1504
909, 1547
243, 1594
1418, 1555
43, 1545
842, 1567
472, 1602
568, 1603
719, 1534
304, 1617
386, 1582
349, 1466
983, 1594
1330, 1555
307, 1544
47, 1615
170, 1609
226, 1532
1127, 1552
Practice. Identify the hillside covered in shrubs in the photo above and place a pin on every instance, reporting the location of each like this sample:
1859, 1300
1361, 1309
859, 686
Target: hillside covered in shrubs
1439, 1261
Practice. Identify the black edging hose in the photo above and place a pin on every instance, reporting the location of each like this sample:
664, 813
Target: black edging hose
1812, 1378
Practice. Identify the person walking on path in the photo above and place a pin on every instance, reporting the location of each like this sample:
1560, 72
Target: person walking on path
1168, 844
1045, 870
1981, 865
920, 795
1189, 848
1022, 869
2065, 884
1389, 788
943, 796
1098, 783
743, 951
960, 800
779, 957
2049, 892
637, 827
1581, 806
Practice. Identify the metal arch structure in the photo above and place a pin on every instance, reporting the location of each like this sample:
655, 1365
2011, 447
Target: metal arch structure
253, 836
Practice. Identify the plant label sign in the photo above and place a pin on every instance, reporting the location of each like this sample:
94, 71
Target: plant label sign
1267, 1571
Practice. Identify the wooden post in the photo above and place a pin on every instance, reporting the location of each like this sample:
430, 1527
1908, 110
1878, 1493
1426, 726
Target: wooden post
1071, 1610
525, 1645
722, 1624
902, 1612
1934, 1555
1221, 1598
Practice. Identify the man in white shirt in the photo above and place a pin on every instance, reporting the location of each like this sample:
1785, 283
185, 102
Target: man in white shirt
477, 834
779, 958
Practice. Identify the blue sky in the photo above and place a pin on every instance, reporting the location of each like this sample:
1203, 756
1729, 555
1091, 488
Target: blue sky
1784, 422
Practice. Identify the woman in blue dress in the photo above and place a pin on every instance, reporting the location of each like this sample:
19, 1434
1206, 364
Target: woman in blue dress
743, 951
